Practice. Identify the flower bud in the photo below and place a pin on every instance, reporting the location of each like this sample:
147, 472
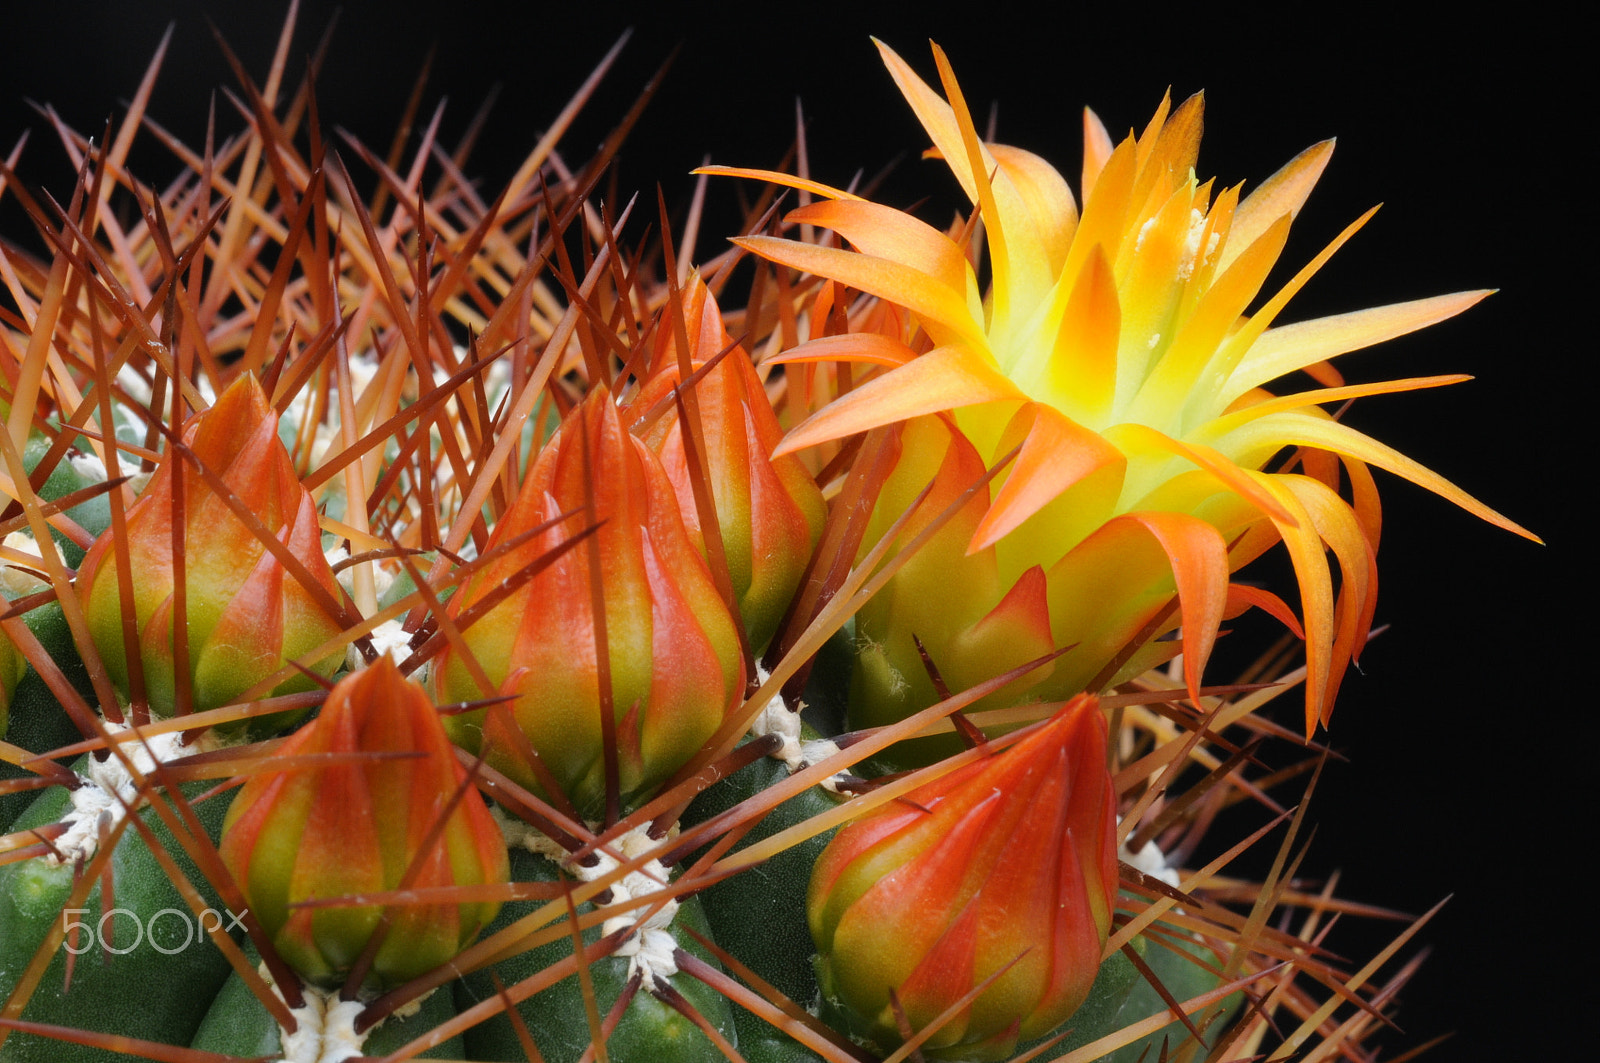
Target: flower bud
673, 652
769, 510
246, 615
359, 826
1005, 865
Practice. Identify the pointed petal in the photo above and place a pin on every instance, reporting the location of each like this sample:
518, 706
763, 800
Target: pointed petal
1199, 560
942, 309
788, 180
1096, 150
1282, 350
1279, 430
1285, 192
1082, 371
874, 348
1056, 453
1322, 396
1316, 594
1238, 345
937, 119
1242, 596
884, 232
1128, 436
1337, 526
943, 379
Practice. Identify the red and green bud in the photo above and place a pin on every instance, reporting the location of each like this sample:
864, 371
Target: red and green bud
675, 666
770, 511
246, 615
361, 826
1004, 868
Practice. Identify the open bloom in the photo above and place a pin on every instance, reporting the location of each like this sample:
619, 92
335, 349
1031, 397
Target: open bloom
769, 510
246, 613
673, 654
363, 827
1113, 348
1004, 868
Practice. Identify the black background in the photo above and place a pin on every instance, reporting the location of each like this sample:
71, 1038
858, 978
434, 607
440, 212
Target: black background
1469, 729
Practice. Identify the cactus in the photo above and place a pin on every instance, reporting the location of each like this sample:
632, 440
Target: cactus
893, 737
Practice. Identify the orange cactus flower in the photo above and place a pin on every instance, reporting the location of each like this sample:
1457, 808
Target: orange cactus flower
769, 510
360, 827
1113, 346
672, 649
246, 614
1004, 868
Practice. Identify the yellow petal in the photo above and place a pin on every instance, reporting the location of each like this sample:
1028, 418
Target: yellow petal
1320, 396
1283, 350
1285, 192
1052, 212
1276, 431
1056, 453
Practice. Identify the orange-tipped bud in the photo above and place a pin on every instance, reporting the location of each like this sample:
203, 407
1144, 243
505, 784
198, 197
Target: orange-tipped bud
363, 826
246, 614
769, 510
673, 653
1004, 868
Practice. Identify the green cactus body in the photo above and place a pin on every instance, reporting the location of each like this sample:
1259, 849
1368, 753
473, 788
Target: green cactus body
237, 1023
150, 991
649, 1032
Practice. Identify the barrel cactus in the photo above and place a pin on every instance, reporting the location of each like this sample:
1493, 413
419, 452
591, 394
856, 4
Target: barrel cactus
460, 627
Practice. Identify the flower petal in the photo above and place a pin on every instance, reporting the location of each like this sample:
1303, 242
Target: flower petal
1056, 453
945, 378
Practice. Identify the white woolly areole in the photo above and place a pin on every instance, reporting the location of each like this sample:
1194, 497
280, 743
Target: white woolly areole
776, 719
650, 949
15, 581
1152, 861
136, 386
382, 578
108, 791
796, 754
89, 466
325, 1025
325, 1029
389, 637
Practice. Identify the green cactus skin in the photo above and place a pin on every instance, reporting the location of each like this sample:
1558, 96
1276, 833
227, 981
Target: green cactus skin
237, 1023
1184, 979
145, 994
650, 1031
